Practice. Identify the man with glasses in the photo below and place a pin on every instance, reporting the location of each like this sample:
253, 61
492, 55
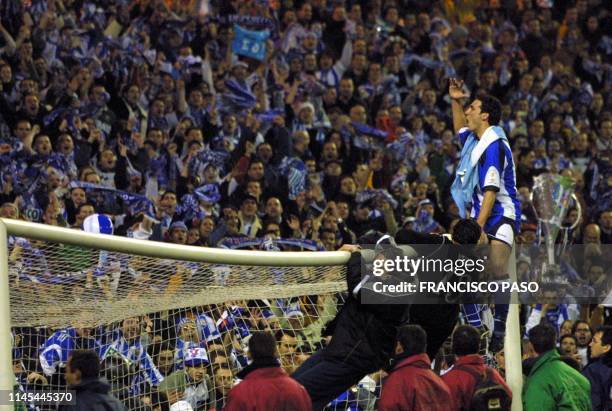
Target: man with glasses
582, 332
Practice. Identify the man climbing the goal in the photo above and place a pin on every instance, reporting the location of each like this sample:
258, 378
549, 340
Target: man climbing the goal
364, 334
362, 342
486, 179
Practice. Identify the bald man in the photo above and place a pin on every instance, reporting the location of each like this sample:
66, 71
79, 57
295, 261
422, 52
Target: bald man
591, 248
592, 234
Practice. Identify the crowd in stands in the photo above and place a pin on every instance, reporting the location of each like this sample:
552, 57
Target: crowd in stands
146, 109
332, 122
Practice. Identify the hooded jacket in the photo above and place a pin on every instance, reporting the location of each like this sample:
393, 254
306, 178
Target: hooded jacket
93, 395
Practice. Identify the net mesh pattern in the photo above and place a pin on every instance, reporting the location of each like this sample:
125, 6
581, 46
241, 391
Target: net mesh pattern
60, 285
165, 330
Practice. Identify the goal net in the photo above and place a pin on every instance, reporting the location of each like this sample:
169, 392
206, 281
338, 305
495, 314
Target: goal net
170, 324
165, 329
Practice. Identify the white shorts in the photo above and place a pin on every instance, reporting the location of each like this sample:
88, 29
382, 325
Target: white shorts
503, 232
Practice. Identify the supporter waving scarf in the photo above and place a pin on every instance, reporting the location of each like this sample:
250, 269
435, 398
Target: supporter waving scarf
236, 243
370, 194
268, 116
216, 158
368, 130
189, 207
237, 96
295, 170
208, 192
135, 203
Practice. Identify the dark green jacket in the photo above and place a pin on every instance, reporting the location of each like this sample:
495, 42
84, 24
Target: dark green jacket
553, 385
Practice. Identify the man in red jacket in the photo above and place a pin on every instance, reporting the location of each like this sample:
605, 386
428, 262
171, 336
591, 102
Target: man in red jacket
266, 386
411, 384
461, 379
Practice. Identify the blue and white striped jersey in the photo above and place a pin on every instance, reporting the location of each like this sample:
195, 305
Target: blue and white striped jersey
496, 171
477, 315
207, 328
554, 317
56, 350
132, 352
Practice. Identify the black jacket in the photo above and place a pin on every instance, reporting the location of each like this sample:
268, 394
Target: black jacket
438, 317
599, 374
93, 395
364, 334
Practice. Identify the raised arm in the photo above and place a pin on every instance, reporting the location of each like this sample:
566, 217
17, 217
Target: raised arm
207, 74
345, 60
457, 94
8, 39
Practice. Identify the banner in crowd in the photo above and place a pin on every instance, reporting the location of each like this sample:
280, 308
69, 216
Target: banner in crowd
250, 43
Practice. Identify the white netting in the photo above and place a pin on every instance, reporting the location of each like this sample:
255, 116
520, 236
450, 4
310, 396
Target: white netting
165, 330
61, 285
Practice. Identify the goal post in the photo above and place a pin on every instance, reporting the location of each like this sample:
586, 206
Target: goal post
258, 275
512, 343
7, 380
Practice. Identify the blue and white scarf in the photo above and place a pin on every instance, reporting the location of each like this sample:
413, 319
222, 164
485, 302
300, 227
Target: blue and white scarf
135, 203
370, 194
236, 243
256, 22
294, 169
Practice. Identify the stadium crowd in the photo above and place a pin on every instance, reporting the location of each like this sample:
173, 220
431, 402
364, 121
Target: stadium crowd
297, 125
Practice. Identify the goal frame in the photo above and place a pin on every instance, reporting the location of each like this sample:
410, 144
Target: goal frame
147, 248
